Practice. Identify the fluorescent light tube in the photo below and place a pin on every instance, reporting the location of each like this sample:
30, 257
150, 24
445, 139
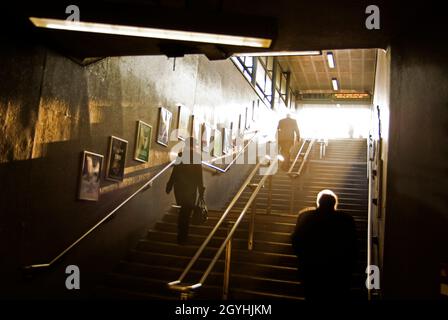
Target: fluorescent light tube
335, 84
151, 32
279, 53
330, 58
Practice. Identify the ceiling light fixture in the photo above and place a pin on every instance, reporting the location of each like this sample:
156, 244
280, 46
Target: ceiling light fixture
279, 53
330, 58
335, 84
151, 32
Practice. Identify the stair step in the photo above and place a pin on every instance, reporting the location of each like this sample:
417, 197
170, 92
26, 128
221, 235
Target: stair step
260, 225
259, 234
155, 286
237, 268
194, 240
109, 292
256, 257
269, 271
241, 294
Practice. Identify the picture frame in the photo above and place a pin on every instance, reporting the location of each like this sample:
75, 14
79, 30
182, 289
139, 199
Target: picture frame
254, 118
182, 122
143, 141
196, 126
217, 143
240, 130
116, 159
90, 176
232, 134
206, 137
227, 141
164, 126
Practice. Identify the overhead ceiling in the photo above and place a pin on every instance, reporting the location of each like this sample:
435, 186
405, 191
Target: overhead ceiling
293, 25
354, 69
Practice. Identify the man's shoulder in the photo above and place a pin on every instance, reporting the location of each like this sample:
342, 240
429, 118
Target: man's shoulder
307, 210
344, 216
306, 213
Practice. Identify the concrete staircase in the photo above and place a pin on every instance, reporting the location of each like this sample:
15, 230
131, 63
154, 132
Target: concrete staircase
269, 270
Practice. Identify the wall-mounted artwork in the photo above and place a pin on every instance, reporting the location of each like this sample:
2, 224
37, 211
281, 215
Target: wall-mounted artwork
183, 115
116, 159
254, 110
196, 126
90, 178
232, 134
143, 141
240, 130
227, 141
164, 126
217, 143
206, 137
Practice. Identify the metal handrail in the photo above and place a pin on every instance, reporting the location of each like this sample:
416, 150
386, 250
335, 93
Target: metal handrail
369, 213
305, 158
294, 175
238, 154
297, 156
142, 188
64, 252
175, 285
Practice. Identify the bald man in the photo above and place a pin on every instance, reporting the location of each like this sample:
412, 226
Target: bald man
286, 128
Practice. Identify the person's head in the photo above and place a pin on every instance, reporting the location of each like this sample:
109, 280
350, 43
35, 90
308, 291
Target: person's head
288, 115
327, 200
190, 144
188, 151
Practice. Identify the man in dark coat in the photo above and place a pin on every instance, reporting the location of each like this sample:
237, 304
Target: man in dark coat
326, 246
286, 129
186, 178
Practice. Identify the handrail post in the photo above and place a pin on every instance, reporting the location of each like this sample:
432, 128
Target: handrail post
186, 295
291, 205
225, 287
250, 243
269, 207
321, 151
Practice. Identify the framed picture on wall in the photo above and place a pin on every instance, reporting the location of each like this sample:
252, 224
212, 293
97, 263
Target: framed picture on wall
164, 126
183, 115
116, 159
240, 130
233, 131
206, 137
90, 177
196, 126
143, 141
254, 108
217, 143
227, 141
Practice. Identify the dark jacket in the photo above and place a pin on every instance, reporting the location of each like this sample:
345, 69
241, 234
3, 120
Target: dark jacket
187, 181
286, 128
325, 242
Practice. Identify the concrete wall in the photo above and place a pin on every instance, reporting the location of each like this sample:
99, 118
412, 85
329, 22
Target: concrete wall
416, 223
52, 109
380, 135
